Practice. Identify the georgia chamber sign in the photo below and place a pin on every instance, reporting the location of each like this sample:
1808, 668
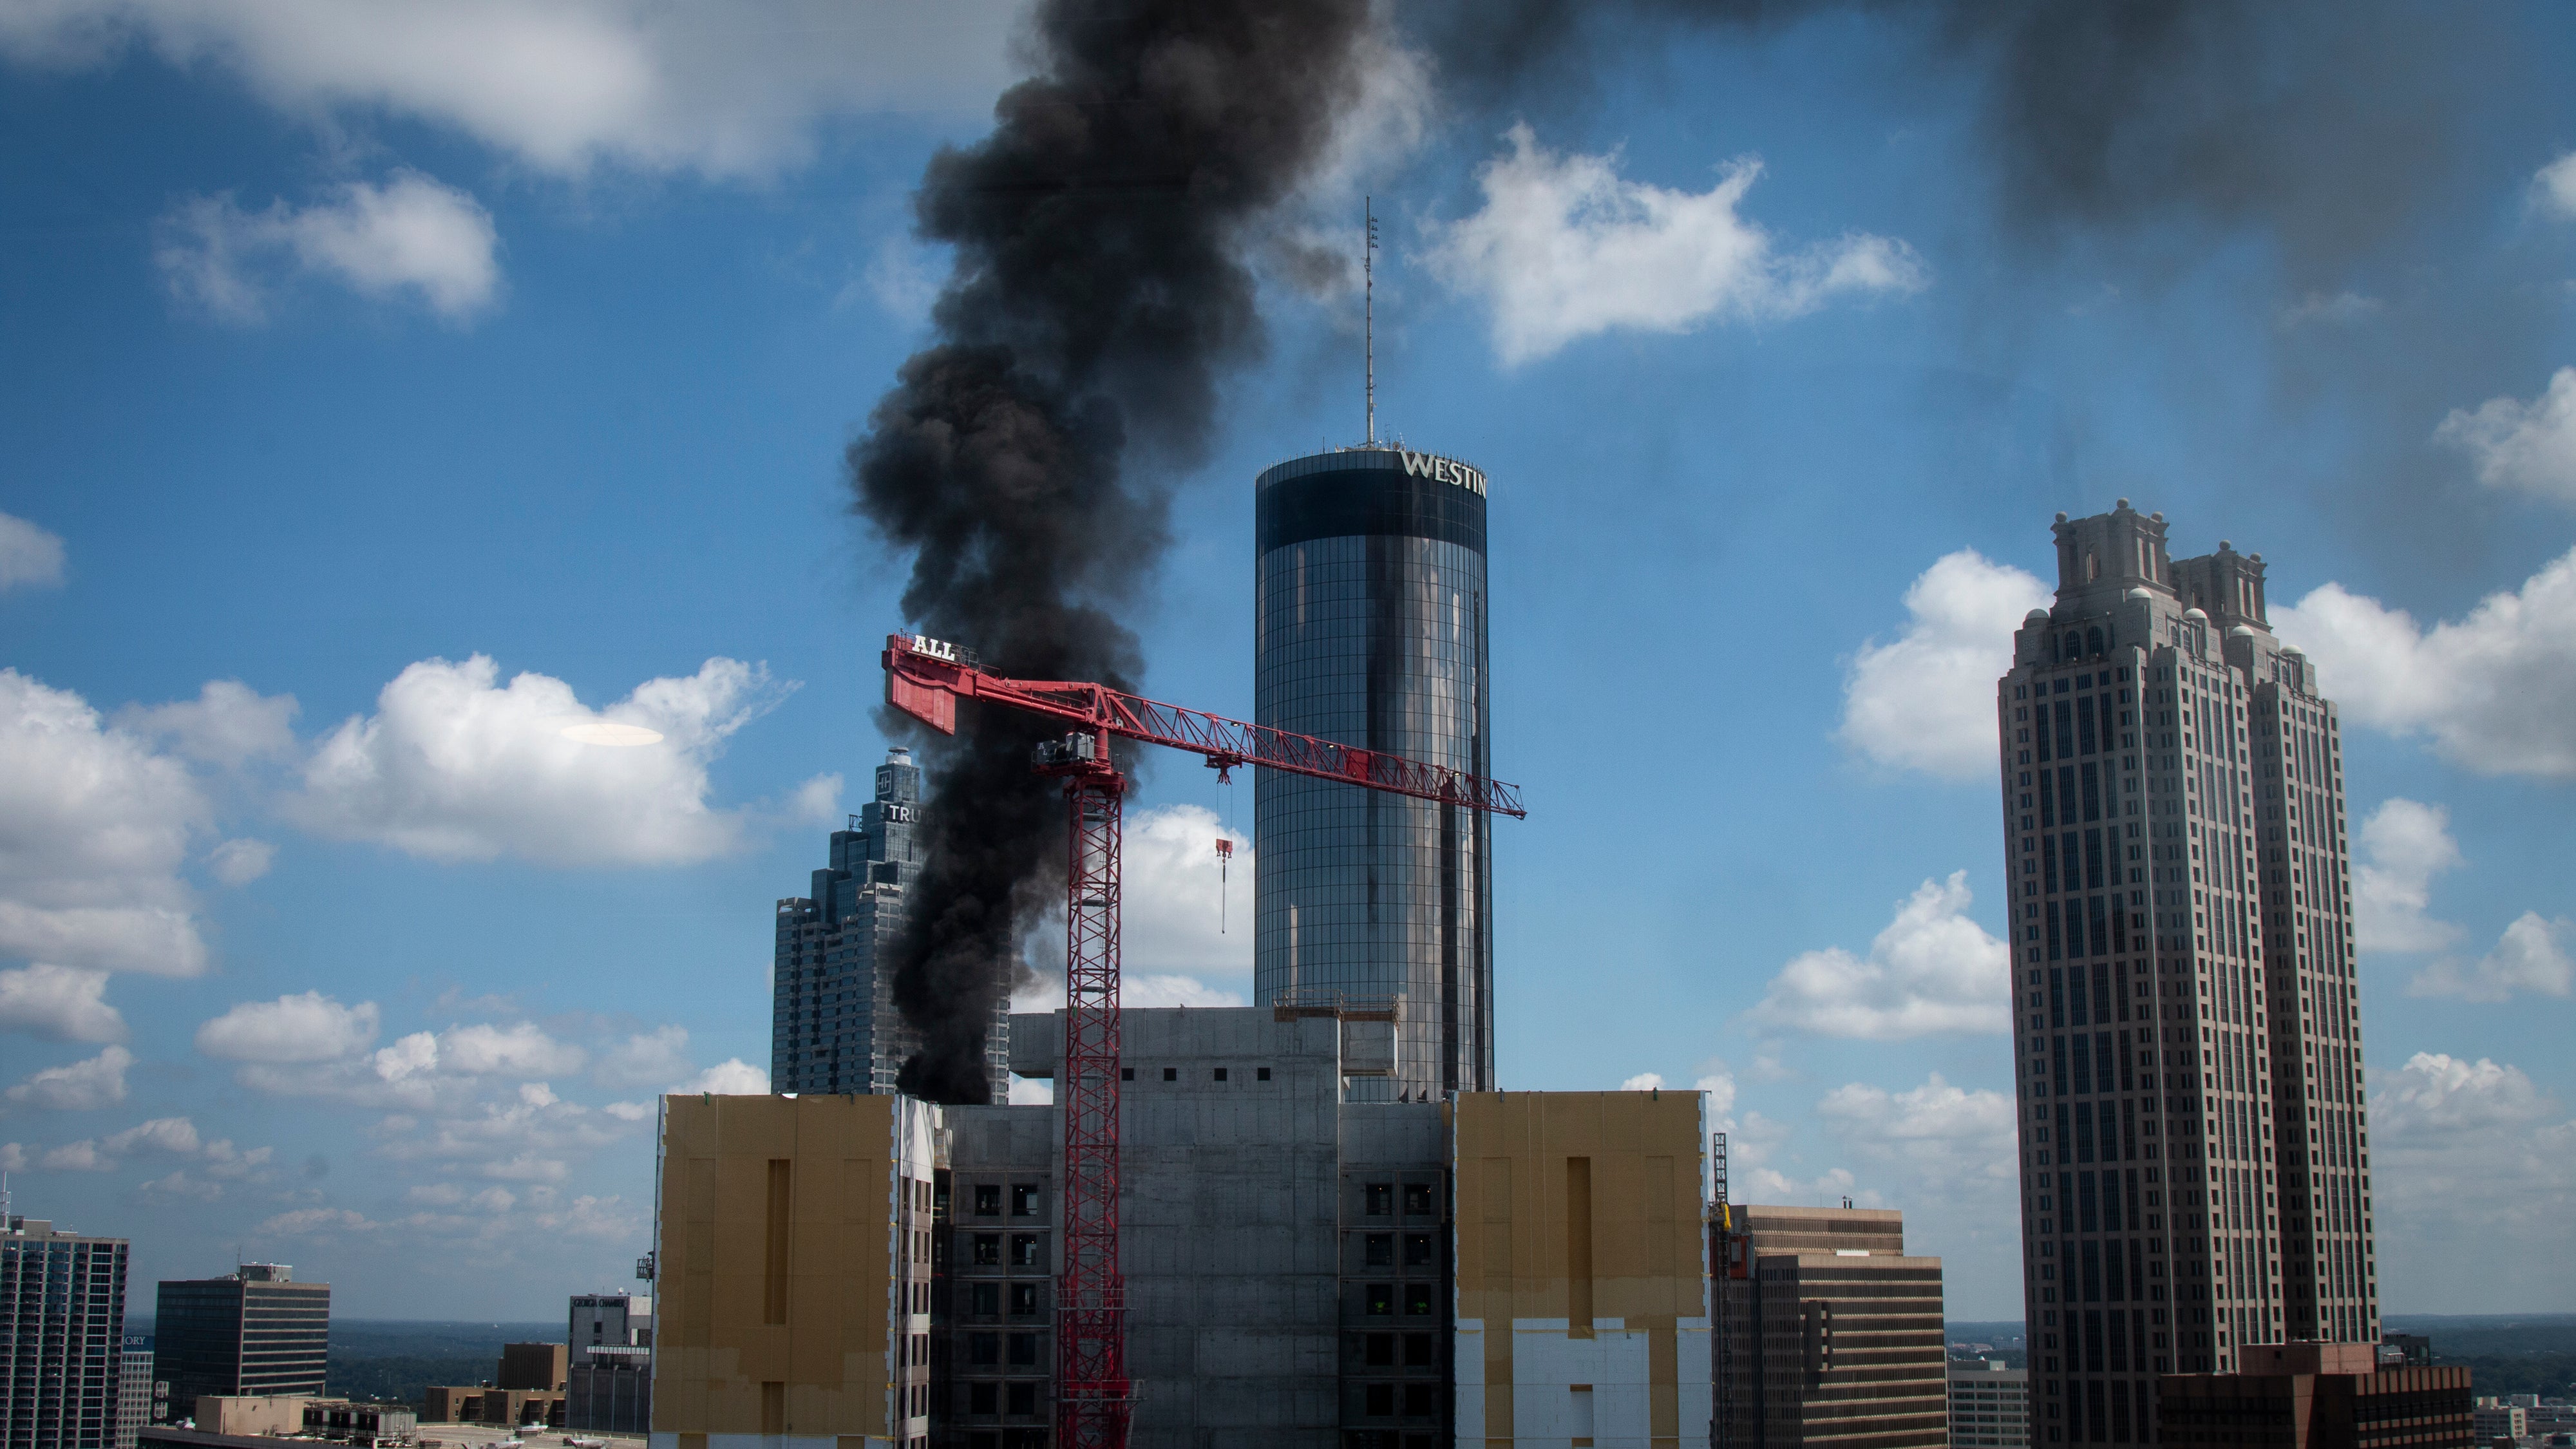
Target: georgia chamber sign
1445, 470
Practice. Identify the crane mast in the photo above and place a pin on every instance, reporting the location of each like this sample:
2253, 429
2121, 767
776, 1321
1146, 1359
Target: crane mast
925, 678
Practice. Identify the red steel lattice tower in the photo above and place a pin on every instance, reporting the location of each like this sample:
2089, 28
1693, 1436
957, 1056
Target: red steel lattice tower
925, 679
1091, 1294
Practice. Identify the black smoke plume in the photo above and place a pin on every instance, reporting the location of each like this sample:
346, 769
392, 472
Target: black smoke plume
1025, 459
2325, 124
1100, 294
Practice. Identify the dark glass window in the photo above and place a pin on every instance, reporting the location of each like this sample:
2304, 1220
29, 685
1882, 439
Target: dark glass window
1024, 1250
1261, 1074
1417, 1199
988, 1250
1220, 1074
1024, 1398
1024, 1299
1380, 1401
1171, 1074
1417, 1299
1417, 1250
985, 1299
1380, 1350
1380, 1250
1421, 1401
988, 1199
1024, 1200
984, 1397
983, 1349
1024, 1350
1380, 1300
1378, 1199
1420, 1351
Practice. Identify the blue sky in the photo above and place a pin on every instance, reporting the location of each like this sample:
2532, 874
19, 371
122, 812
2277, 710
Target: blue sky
368, 416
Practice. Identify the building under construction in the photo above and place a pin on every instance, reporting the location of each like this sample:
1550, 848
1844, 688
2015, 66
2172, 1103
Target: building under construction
1301, 1268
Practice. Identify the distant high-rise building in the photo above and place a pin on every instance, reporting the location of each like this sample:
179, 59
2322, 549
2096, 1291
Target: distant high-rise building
1369, 630
255, 1332
2187, 1028
1827, 1333
1989, 1405
140, 1398
62, 1336
611, 1391
834, 1026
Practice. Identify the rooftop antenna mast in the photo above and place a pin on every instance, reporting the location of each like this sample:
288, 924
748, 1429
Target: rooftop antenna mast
1368, 292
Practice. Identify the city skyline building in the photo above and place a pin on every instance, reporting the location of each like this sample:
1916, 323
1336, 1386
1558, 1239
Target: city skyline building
834, 1026
1370, 630
62, 1336
2187, 1037
256, 1332
1828, 1332
137, 1402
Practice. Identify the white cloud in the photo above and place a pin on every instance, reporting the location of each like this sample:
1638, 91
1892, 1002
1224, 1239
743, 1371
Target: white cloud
413, 235
79, 1086
227, 724
13, 1157
453, 766
180, 1187
239, 862
2530, 446
2404, 844
59, 1002
2441, 1121
1564, 248
1925, 700
163, 1136
30, 557
2554, 188
1164, 989
1031, 1091
309, 1027
408, 1057
2337, 308
564, 85
732, 1077
1174, 900
2496, 691
1932, 970
1643, 1082
645, 1059
1943, 1134
304, 1222
2533, 956
93, 829
522, 1050
904, 278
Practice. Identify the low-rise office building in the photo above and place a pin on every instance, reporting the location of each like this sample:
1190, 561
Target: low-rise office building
254, 1333
2317, 1396
1829, 1333
1989, 1405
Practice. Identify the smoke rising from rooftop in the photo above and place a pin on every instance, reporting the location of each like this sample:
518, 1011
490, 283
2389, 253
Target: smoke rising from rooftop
1025, 459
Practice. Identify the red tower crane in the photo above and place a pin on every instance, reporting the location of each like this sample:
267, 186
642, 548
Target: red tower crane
925, 678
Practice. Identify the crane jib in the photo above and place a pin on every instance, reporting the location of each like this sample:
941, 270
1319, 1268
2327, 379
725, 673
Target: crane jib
925, 678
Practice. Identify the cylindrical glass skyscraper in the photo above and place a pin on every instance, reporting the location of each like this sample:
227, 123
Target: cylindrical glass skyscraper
1370, 631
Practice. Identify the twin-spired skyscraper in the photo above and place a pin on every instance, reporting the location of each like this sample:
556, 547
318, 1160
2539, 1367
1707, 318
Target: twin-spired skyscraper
1369, 629
2187, 1036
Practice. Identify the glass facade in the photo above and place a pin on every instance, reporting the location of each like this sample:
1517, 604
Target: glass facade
1370, 631
833, 1022
258, 1332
